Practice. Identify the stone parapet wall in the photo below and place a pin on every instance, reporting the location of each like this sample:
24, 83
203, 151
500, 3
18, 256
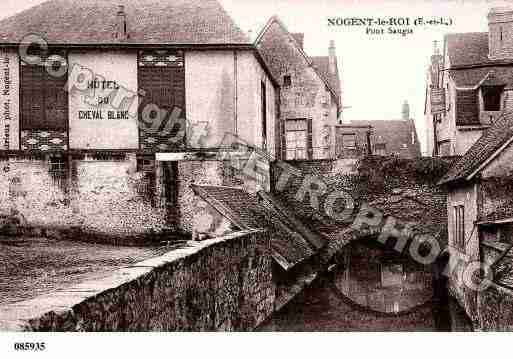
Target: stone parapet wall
223, 284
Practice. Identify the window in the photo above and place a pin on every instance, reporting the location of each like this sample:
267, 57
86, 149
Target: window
380, 149
459, 226
296, 139
492, 98
264, 114
44, 101
287, 81
349, 141
57, 166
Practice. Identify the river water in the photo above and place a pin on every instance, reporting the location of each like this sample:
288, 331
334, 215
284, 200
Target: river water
322, 307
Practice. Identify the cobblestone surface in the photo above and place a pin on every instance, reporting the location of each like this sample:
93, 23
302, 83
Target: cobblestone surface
33, 266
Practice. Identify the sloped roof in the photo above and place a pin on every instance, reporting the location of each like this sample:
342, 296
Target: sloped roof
469, 78
396, 134
244, 210
300, 38
469, 48
149, 22
502, 212
492, 140
274, 52
322, 65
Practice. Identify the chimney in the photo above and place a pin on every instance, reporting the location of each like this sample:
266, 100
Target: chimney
406, 111
332, 58
436, 65
121, 26
300, 38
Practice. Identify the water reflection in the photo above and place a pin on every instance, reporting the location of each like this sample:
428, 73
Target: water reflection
383, 281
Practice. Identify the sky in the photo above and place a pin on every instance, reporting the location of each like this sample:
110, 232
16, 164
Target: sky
378, 72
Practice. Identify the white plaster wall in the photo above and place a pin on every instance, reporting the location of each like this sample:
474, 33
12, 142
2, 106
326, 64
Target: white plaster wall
210, 95
501, 165
223, 90
249, 122
118, 66
465, 140
467, 196
9, 99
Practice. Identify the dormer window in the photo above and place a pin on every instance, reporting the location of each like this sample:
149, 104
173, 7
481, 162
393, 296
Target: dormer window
492, 98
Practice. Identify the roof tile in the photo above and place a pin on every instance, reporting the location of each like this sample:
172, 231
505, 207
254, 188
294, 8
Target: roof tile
396, 134
491, 140
149, 22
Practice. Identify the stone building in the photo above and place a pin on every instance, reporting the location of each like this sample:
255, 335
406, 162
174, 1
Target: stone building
469, 84
117, 107
381, 138
480, 222
310, 97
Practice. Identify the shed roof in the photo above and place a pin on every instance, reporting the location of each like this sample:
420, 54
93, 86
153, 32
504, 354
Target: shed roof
492, 140
289, 245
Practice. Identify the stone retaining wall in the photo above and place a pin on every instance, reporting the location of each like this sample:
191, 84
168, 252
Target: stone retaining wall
223, 284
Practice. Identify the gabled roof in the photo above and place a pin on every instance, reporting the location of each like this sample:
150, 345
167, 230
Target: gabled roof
93, 22
271, 58
290, 245
400, 136
485, 149
321, 64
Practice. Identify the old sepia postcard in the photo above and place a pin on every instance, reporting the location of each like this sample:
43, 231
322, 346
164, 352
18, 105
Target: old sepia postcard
254, 166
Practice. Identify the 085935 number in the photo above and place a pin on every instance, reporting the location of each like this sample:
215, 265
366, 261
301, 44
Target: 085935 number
30, 346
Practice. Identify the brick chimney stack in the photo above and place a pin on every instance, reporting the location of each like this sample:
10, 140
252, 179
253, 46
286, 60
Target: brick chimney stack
332, 57
121, 25
406, 111
436, 65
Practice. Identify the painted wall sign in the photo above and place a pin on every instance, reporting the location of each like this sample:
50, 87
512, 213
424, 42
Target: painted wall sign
101, 114
437, 101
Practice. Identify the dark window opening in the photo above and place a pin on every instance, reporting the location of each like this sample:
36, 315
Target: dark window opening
57, 165
459, 227
58, 168
287, 81
145, 164
264, 114
492, 98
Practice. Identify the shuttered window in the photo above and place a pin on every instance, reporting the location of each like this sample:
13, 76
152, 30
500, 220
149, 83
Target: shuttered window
164, 87
44, 100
